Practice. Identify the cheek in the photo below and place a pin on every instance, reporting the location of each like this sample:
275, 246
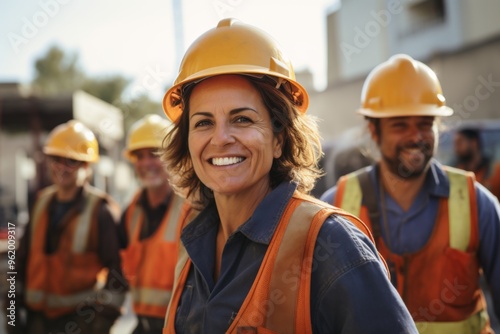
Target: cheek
194, 150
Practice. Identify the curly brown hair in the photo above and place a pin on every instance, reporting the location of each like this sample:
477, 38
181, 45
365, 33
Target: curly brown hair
301, 148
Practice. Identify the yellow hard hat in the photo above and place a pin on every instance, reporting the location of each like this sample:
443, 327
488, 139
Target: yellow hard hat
233, 47
402, 86
148, 132
72, 140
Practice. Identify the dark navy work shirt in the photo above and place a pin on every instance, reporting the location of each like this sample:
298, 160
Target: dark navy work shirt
350, 291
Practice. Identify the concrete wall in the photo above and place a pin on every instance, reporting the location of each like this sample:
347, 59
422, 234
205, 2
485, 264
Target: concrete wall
463, 49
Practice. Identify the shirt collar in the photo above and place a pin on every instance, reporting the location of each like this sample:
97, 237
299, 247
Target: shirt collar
143, 201
261, 225
437, 181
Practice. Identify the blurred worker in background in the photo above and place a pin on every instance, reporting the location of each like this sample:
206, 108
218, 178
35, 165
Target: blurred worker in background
262, 256
433, 224
149, 228
70, 241
470, 155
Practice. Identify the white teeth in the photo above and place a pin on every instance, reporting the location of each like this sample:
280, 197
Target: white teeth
226, 161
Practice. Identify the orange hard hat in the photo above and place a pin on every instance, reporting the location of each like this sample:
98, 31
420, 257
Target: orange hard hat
402, 86
148, 132
233, 47
72, 140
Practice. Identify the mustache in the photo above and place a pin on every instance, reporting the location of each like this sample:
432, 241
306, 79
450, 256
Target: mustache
421, 145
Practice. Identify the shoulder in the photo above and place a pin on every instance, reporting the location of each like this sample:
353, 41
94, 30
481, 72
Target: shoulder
486, 201
329, 195
46, 193
346, 245
108, 208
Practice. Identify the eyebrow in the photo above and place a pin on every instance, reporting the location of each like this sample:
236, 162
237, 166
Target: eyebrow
232, 112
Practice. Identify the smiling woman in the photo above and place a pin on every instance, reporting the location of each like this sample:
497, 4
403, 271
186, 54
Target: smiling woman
260, 253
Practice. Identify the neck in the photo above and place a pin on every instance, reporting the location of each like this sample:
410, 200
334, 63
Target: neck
235, 210
402, 190
66, 194
156, 195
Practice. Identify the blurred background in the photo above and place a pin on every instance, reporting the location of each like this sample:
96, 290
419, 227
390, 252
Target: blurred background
108, 63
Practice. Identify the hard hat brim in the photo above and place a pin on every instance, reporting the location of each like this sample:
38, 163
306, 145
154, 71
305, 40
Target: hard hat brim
70, 155
409, 110
127, 153
173, 107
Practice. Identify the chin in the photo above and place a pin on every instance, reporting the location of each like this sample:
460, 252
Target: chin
152, 183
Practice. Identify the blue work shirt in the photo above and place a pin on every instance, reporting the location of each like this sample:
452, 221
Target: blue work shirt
350, 291
410, 230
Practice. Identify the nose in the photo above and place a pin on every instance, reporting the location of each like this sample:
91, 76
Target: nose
222, 135
415, 133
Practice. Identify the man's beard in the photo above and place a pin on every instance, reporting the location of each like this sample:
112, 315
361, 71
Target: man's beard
406, 169
465, 157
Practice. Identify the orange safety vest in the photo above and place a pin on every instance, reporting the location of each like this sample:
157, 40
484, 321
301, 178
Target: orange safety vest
149, 264
269, 306
490, 178
59, 283
439, 283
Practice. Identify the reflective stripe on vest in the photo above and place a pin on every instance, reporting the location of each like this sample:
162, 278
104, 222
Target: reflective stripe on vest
287, 250
459, 210
40, 206
353, 196
150, 296
169, 233
55, 301
82, 230
473, 324
136, 215
458, 205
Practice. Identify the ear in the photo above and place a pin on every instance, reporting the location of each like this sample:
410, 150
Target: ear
373, 131
278, 145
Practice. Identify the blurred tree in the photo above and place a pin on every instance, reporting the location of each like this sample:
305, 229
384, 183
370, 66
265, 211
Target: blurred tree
58, 72
137, 108
109, 89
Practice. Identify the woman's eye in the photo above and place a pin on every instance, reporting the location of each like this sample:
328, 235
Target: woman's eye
243, 119
203, 122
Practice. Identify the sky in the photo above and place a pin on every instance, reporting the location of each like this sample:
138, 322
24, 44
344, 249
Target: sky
136, 39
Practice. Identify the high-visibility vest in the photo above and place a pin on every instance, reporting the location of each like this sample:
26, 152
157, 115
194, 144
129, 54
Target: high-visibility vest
59, 283
439, 283
149, 264
489, 176
291, 246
